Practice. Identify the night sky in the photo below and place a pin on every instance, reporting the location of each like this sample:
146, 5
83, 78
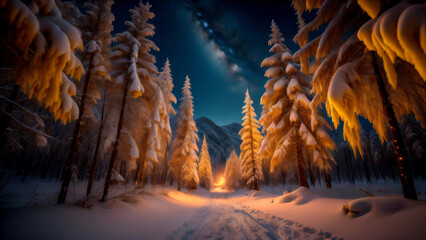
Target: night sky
219, 45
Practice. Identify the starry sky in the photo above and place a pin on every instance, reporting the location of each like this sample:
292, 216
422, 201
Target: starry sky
219, 45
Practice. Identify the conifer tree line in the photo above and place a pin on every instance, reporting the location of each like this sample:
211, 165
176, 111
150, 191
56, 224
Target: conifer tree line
76, 107
386, 86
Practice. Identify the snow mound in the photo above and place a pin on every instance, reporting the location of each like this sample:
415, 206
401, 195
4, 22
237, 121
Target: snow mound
299, 196
375, 205
254, 193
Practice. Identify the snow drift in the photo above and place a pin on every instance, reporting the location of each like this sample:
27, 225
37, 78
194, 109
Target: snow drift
299, 196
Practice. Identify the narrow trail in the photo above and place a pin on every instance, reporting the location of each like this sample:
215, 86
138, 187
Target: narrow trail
224, 219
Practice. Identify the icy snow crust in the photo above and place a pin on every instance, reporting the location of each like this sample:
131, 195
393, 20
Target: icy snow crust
298, 213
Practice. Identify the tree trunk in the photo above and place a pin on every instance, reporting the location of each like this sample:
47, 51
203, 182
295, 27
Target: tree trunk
367, 172
144, 174
164, 173
327, 179
72, 156
255, 185
303, 181
154, 175
311, 173
95, 157
138, 170
284, 177
171, 180
401, 155
179, 179
349, 166
338, 173
116, 143
391, 162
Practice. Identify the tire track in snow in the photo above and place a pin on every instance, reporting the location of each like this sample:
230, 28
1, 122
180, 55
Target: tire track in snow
224, 220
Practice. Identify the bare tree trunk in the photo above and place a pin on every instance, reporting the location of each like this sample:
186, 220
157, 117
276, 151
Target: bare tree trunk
401, 155
72, 156
95, 157
338, 173
284, 177
391, 162
349, 167
179, 178
144, 174
311, 173
164, 173
327, 179
255, 185
138, 170
154, 175
171, 180
303, 181
117, 141
367, 172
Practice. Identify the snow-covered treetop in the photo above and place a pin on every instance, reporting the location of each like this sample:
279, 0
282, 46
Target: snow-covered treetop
131, 57
187, 106
276, 40
96, 22
96, 26
165, 81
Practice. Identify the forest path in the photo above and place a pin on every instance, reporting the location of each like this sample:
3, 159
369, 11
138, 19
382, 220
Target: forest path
225, 219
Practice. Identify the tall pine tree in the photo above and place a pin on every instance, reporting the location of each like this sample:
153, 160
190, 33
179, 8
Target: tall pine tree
205, 167
165, 82
135, 72
184, 153
250, 161
292, 127
96, 25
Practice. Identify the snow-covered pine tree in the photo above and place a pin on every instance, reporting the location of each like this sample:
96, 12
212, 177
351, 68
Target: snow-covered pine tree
346, 78
160, 131
165, 82
205, 168
251, 165
232, 176
184, 153
45, 44
292, 127
134, 69
96, 26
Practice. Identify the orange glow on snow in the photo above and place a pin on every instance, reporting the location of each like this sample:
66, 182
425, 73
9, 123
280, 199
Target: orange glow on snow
221, 182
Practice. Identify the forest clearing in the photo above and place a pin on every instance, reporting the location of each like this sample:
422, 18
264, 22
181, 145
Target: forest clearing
169, 214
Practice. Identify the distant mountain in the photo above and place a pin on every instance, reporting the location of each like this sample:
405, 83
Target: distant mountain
220, 139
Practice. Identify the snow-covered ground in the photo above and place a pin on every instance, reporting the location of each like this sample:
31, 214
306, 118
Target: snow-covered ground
28, 212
